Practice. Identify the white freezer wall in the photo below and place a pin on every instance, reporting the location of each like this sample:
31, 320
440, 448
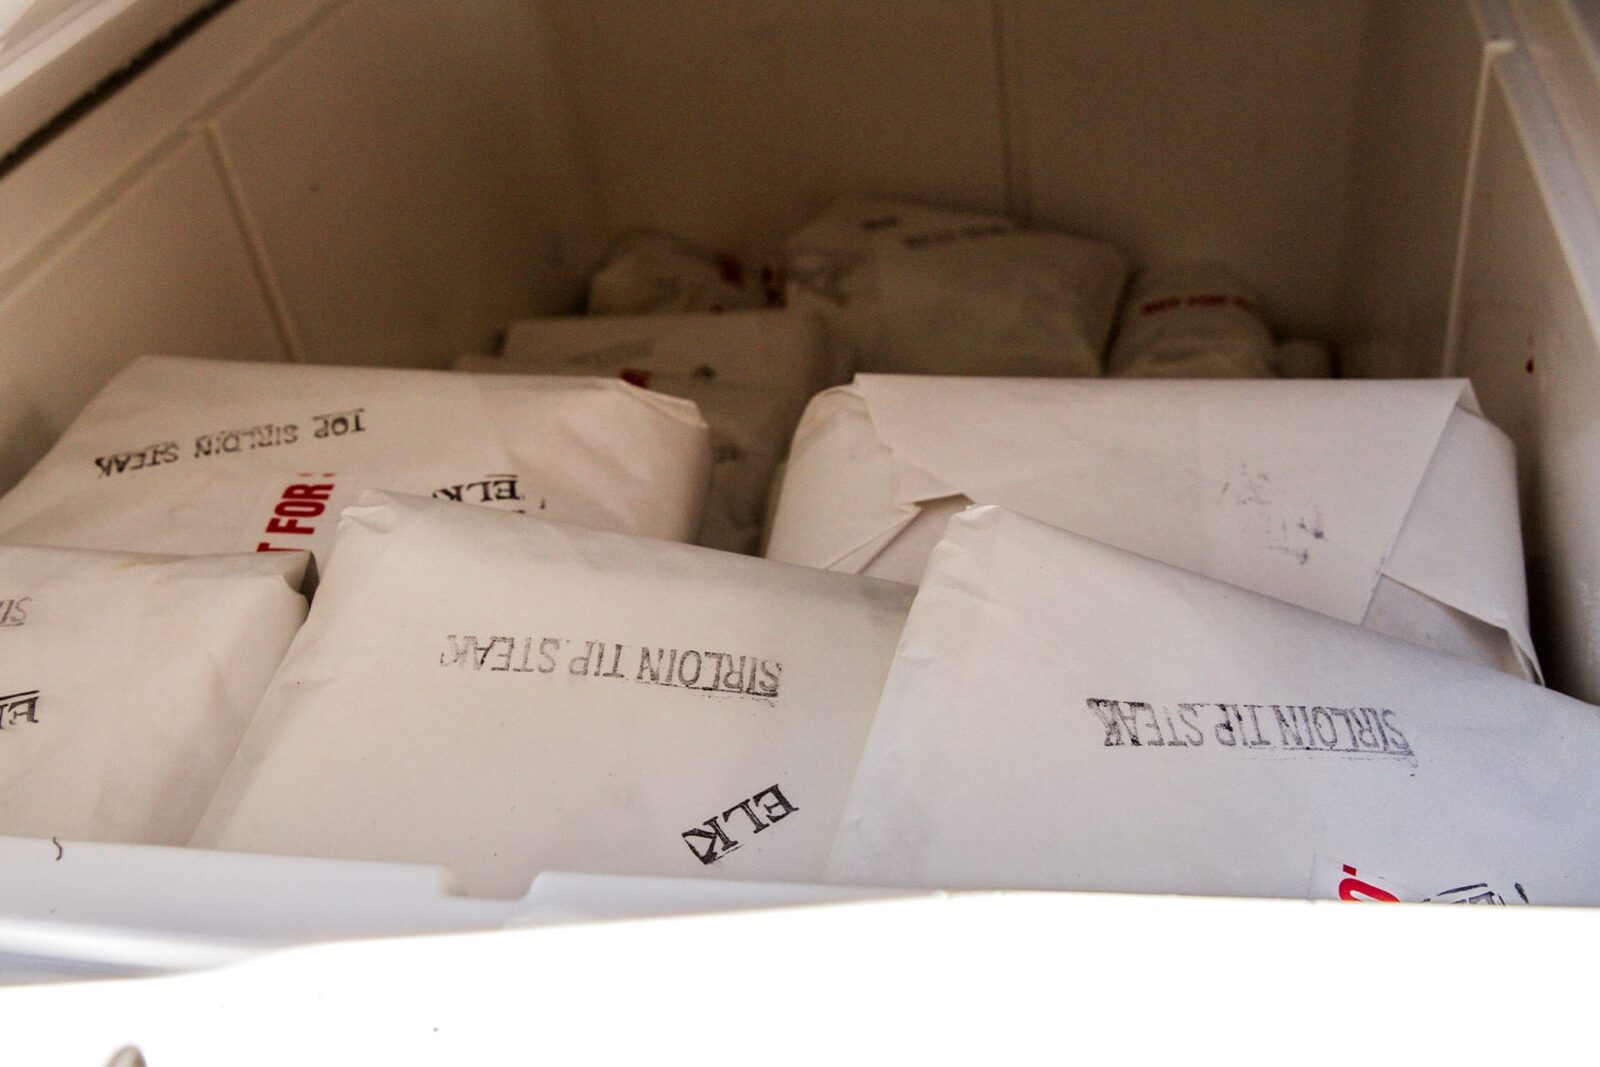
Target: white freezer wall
392, 181
335, 181
1422, 62
1219, 129
1528, 312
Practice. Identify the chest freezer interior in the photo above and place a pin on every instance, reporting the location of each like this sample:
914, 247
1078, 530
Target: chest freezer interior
373, 183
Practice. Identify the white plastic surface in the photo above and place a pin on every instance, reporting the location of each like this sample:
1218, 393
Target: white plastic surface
395, 218
204, 302
970, 978
1529, 311
1410, 165
91, 909
53, 51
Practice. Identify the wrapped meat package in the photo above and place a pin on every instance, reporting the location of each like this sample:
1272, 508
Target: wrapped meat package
1193, 321
750, 373
126, 682
504, 695
914, 289
1387, 503
652, 273
1062, 714
192, 456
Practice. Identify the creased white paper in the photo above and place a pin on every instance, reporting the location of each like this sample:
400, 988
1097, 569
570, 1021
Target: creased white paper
909, 288
1303, 490
750, 373
193, 456
505, 695
1065, 715
126, 682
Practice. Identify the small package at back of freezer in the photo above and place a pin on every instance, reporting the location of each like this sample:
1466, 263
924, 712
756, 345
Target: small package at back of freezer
1392, 504
126, 682
652, 273
911, 289
193, 456
1193, 320
749, 372
1066, 715
504, 695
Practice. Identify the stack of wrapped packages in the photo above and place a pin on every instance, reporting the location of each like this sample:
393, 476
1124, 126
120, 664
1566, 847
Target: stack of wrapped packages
1073, 578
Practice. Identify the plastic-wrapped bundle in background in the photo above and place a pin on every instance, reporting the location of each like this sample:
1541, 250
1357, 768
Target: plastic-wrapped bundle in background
750, 373
913, 289
652, 273
192, 456
1066, 715
534, 696
1192, 320
126, 682
1387, 503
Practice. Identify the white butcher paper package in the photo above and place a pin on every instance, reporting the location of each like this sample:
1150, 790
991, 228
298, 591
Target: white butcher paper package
126, 682
1193, 320
912, 289
653, 273
504, 695
1391, 504
193, 456
749, 372
1062, 714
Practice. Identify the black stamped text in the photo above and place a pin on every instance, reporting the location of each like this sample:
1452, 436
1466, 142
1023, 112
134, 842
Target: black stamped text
713, 839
